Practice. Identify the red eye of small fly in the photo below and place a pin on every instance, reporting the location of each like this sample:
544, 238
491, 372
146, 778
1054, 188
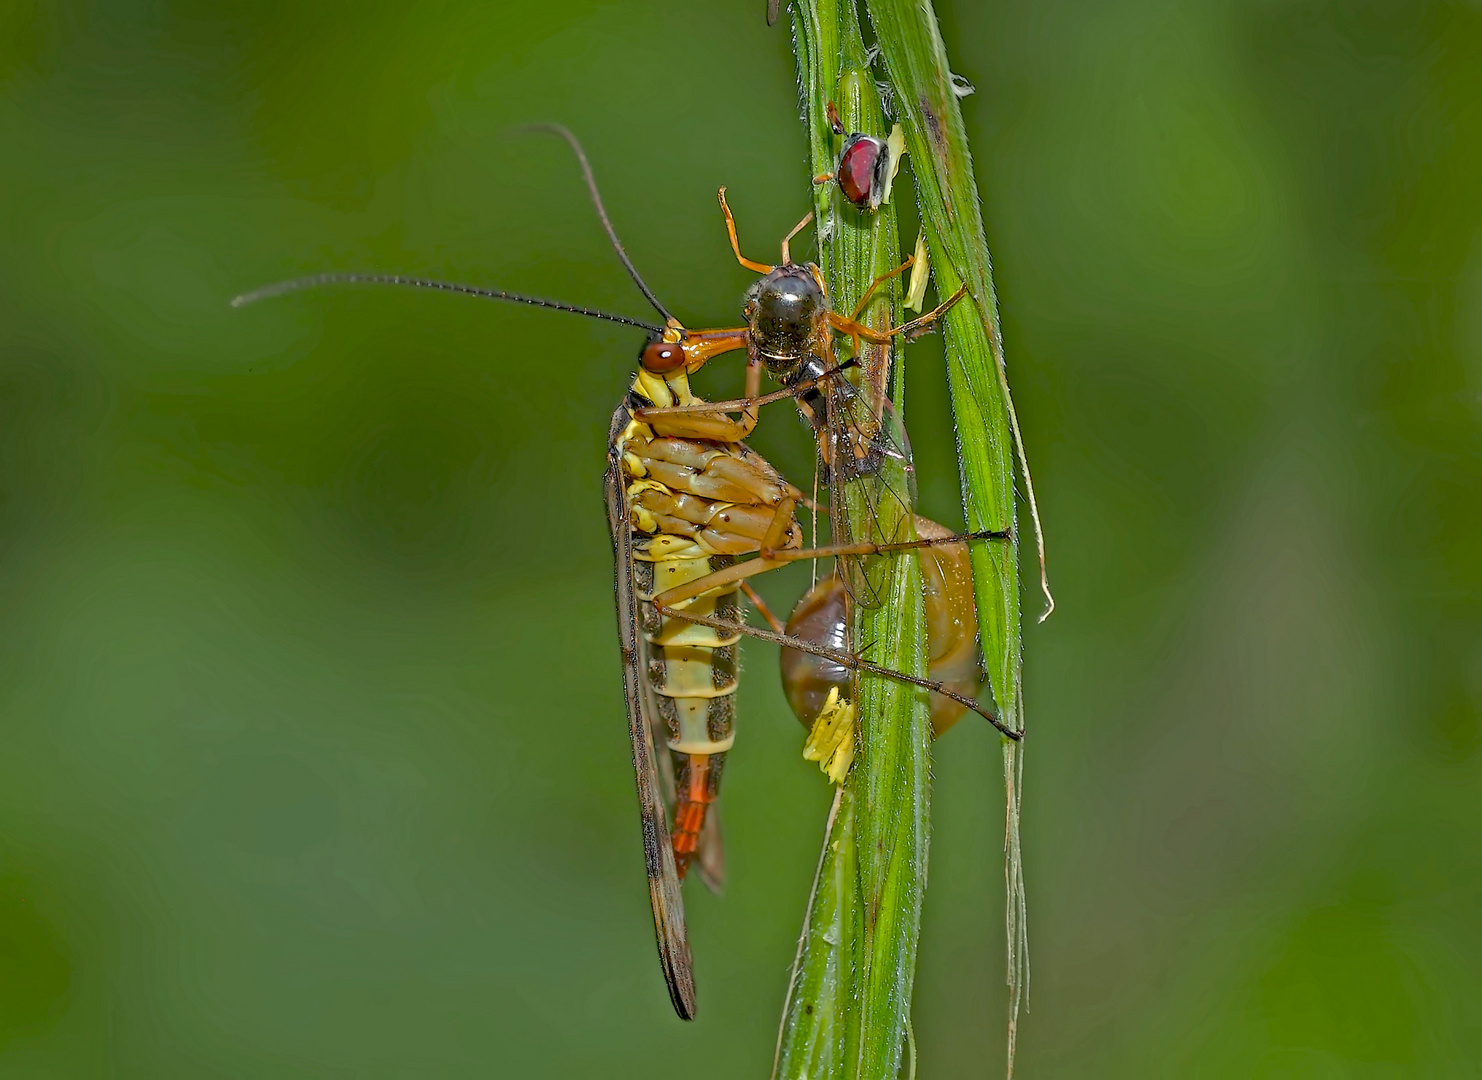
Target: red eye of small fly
857, 167
662, 356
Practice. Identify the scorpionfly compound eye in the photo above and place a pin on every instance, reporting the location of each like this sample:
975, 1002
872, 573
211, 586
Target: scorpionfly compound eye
662, 356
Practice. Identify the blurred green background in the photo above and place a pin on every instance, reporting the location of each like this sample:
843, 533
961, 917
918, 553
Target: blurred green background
312, 755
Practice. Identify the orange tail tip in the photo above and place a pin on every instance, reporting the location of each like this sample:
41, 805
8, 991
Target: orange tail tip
698, 784
689, 819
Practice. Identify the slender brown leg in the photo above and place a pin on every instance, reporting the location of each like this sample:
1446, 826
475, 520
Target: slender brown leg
752, 401
666, 603
869, 294
761, 606
705, 408
750, 264
917, 325
906, 329
849, 660
706, 420
770, 560
787, 240
865, 547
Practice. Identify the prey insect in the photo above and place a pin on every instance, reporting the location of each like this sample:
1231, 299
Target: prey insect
694, 513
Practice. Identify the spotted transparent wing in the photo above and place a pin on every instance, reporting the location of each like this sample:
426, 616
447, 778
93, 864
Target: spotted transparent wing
658, 852
867, 452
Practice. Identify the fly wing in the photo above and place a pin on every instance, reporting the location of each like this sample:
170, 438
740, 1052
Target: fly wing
658, 853
863, 449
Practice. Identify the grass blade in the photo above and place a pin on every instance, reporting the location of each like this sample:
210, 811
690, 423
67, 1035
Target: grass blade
987, 429
849, 1007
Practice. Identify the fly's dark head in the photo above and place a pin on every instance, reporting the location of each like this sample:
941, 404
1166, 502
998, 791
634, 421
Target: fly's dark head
783, 313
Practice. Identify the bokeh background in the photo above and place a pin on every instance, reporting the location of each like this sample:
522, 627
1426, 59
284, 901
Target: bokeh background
312, 755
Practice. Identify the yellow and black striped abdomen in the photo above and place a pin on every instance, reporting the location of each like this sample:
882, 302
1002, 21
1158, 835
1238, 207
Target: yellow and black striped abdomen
692, 670
694, 505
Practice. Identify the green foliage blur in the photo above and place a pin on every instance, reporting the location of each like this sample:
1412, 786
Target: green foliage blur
312, 755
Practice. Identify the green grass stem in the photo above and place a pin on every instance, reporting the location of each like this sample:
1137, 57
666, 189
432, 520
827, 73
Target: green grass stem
848, 1008
988, 440
850, 1000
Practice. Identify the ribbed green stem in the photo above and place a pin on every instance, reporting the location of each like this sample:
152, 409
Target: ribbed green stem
987, 430
850, 1000
849, 1004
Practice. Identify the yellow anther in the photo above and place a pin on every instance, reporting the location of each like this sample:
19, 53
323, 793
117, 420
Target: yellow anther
895, 145
920, 275
831, 741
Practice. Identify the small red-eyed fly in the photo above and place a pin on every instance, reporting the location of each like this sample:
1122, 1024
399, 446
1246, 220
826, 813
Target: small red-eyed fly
867, 164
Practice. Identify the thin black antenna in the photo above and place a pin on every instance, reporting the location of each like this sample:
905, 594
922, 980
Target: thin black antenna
617, 245
314, 282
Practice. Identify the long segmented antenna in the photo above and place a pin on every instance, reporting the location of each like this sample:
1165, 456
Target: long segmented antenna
617, 245
315, 281
355, 278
